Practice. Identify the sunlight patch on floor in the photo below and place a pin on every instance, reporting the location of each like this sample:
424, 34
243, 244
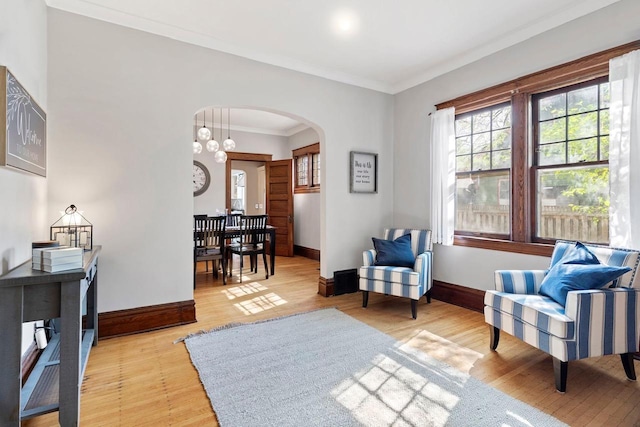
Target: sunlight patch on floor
461, 358
244, 290
392, 394
260, 304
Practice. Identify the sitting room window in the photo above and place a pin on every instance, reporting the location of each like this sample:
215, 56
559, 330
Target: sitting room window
483, 165
532, 158
571, 140
307, 168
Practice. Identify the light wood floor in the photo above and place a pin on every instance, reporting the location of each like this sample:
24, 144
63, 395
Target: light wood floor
147, 380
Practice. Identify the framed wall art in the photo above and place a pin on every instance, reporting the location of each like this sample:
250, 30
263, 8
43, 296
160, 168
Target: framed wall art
23, 138
363, 172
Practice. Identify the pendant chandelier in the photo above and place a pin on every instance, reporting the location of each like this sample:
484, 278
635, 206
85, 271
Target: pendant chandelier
197, 147
207, 136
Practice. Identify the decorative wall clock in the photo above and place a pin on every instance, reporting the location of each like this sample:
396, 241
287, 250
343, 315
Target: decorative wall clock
201, 178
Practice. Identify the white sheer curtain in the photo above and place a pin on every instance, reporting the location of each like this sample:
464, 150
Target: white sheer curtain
624, 151
443, 177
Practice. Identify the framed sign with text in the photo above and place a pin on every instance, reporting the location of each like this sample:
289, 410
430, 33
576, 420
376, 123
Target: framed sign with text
363, 172
23, 139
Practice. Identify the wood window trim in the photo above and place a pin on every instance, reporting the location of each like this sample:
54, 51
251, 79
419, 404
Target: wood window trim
518, 92
308, 151
579, 70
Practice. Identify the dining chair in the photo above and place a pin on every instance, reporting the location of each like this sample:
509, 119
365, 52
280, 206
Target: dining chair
253, 230
209, 244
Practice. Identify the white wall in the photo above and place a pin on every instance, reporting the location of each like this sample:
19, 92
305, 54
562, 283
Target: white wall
23, 196
246, 142
612, 26
252, 192
306, 206
123, 103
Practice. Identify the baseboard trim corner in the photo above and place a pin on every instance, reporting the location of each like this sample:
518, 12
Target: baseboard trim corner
313, 254
325, 286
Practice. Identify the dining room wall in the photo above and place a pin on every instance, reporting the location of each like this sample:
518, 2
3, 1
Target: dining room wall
23, 196
306, 206
611, 26
246, 142
124, 102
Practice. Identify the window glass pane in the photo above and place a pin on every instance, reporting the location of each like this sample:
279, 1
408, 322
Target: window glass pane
605, 95
552, 107
501, 118
583, 150
551, 154
463, 126
301, 163
604, 122
573, 204
552, 131
604, 148
463, 163
481, 161
316, 169
501, 139
463, 145
501, 159
481, 122
583, 125
585, 99
481, 142
483, 202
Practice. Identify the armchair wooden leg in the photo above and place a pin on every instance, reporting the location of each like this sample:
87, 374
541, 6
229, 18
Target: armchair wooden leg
629, 369
414, 309
365, 298
494, 337
560, 369
428, 295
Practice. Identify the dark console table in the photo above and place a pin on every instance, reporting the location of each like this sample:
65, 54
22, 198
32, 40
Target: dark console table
54, 384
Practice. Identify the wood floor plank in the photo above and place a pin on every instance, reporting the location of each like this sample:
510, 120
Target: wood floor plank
147, 380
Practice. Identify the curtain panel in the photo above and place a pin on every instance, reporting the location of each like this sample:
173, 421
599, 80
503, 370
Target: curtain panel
624, 151
443, 177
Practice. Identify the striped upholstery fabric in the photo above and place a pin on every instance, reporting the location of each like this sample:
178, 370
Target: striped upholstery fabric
519, 281
535, 310
400, 281
593, 322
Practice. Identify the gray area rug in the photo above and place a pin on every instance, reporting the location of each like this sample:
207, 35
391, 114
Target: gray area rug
325, 368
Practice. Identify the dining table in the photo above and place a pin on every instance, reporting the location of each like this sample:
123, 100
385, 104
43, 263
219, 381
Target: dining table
231, 232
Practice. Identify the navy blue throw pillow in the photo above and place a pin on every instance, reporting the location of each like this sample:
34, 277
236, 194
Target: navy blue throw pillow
577, 270
394, 253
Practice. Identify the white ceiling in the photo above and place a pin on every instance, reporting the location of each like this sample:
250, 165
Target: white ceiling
248, 120
384, 45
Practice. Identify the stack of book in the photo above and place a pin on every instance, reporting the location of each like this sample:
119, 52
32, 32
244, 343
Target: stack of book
57, 259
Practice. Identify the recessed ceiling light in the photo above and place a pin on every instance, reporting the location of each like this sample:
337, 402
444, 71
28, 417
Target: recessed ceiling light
345, 22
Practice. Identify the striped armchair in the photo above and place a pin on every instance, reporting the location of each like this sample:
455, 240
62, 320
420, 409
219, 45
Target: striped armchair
404, 282
592, 323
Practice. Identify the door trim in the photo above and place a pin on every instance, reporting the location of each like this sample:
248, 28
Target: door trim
231, 155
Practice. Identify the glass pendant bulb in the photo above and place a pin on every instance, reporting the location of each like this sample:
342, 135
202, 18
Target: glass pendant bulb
229, 144
197, 147
220, 156
204, 134
213, 146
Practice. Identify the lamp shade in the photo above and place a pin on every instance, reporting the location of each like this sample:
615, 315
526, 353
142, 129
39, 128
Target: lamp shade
204, 134
220, 156
229, 144
197, 147
213, 146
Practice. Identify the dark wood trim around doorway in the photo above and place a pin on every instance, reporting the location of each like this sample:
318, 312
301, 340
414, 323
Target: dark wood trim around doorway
251, 157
